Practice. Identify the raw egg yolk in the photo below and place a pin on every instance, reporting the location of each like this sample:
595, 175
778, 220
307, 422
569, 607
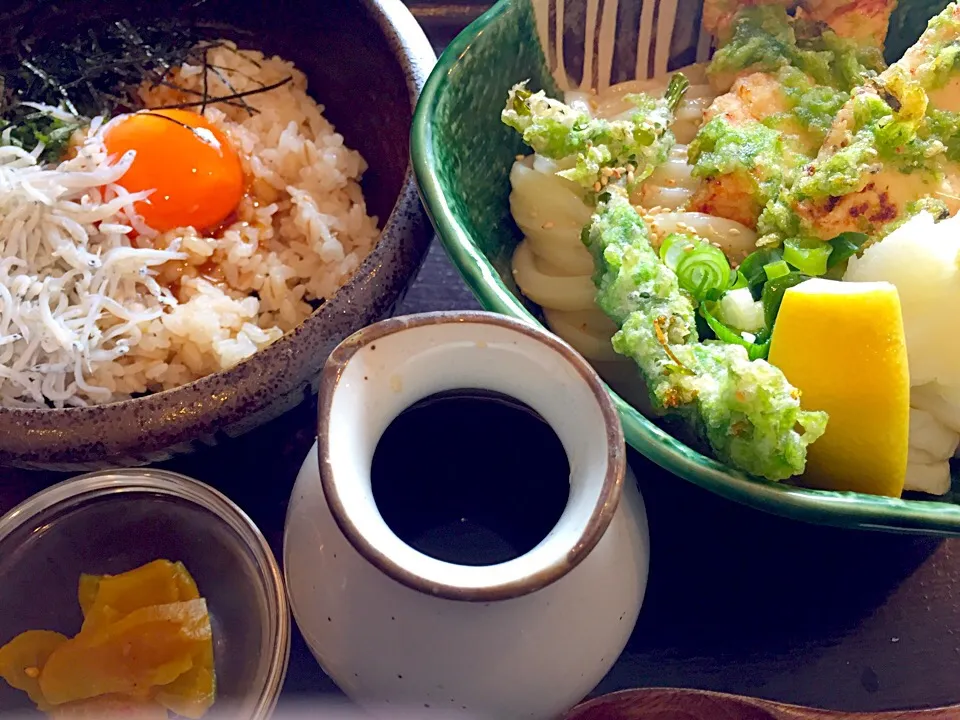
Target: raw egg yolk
190, 165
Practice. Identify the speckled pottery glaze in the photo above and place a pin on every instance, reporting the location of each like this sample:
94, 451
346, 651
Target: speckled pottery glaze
462, 156
366, 61
398, 630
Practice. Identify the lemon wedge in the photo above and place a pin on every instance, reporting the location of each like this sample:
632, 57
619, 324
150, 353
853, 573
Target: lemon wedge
842, 345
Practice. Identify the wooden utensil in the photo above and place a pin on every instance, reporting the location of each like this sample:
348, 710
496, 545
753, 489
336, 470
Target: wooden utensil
676, 704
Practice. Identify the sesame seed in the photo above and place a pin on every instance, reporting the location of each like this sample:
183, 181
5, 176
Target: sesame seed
547, 225
519, 157
596, 187
630, 176
734, 232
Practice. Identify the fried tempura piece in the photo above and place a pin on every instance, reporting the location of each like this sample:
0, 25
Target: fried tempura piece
864, 21
787, 77
752, 142
891, 145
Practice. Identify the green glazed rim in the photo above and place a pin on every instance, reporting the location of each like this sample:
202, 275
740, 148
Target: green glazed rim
840, 509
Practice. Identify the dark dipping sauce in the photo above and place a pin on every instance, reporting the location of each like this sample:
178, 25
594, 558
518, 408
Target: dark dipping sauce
470, 477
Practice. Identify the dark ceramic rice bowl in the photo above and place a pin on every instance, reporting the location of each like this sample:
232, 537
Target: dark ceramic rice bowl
366, 61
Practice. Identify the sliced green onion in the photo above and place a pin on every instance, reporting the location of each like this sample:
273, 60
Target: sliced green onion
737, 281
713, 295
755, 351
752, 266
674, 247
740, 281
773, 295
703, 271
676, 90
836, 272
807, 255
776, 269
845, 245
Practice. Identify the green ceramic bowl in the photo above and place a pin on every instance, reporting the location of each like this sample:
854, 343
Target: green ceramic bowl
462, 156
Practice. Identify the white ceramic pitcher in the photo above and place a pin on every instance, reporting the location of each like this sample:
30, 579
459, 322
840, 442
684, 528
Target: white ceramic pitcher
398, 630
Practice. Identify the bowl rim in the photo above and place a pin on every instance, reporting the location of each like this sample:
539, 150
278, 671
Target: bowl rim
413, 52
841, 509
90, 486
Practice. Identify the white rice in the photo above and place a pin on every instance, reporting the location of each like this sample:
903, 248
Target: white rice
85, 317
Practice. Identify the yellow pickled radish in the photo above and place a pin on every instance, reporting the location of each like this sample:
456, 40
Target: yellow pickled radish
23, 658
842, 345
132, 655
109, 707
156, 583
145, 646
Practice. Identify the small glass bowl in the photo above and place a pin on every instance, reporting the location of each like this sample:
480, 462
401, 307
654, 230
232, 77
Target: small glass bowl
110, 522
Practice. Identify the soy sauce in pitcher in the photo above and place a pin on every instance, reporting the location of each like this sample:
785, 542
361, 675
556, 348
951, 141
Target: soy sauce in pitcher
470, 477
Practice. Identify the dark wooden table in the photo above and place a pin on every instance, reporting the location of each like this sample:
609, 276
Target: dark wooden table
738, 601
